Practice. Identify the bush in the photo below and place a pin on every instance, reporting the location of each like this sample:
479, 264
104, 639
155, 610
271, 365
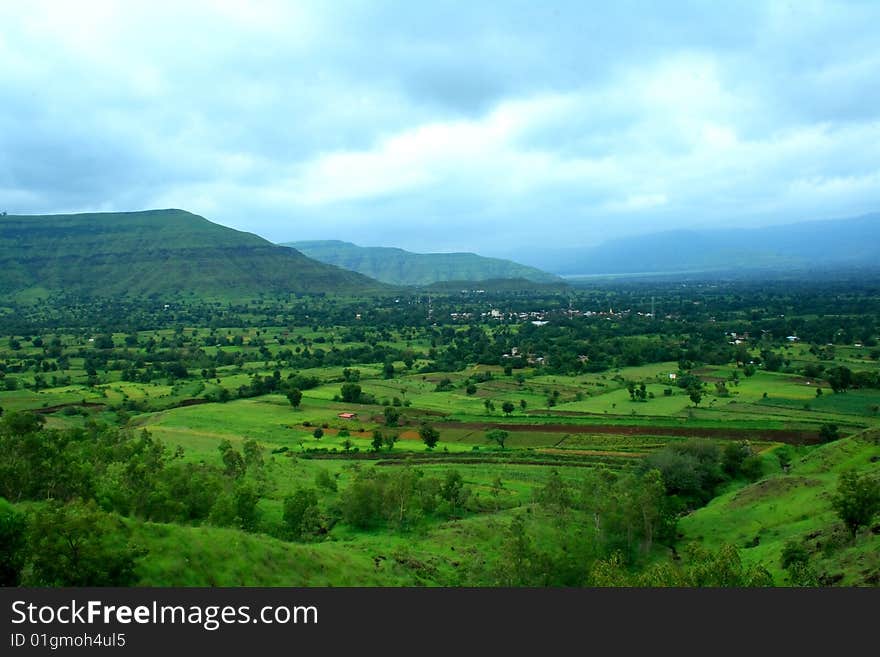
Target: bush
828, 433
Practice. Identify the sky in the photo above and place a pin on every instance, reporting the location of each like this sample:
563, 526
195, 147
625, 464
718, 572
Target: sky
444, 126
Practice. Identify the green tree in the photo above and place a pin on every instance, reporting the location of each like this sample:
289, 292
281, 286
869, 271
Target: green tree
555, 493
828, 433
378, 440
649, 499
326, 481
253, 454
245, 498
508, 407
857, 499
350, 393
392, 416
301, 514
318, 433
695, 395
454, 491
13, 544
430, 436
517, 556
233, 463
78, 545
498, 436
295, 397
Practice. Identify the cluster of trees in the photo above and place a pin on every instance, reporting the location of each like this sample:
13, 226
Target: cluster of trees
82, 476
693, 470
601, 514
66, 544
394, 498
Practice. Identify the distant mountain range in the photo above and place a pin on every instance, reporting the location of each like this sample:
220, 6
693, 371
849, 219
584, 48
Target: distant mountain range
398, 267
154, 252
837, 243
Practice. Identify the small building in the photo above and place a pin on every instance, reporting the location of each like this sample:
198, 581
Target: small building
347, 416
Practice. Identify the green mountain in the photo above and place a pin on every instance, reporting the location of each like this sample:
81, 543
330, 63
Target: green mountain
399, 267
811, 245
154, 252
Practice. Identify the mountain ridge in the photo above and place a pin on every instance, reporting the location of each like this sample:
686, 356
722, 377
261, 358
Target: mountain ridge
842, 242
396, 266
166, 251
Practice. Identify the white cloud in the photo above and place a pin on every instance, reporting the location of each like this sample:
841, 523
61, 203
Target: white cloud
398, 123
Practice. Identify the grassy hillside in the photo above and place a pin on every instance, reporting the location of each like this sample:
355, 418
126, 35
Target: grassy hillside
399, 267
153, 252
795, 507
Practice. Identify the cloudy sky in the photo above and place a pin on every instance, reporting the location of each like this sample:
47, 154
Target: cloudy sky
485, 126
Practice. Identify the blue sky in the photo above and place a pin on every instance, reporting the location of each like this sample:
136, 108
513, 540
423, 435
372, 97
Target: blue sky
484, 127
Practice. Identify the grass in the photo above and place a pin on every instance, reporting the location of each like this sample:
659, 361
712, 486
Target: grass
795, 506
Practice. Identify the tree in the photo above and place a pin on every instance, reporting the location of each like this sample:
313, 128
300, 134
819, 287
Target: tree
498, 436
508, 407
253, 454
245, 498
453, 490
233, 463
326, 481
392, 415
649, 498
78, 545
301, 514
522, 405
318, 433
840, 378
378, 440
554, 494
13, 544
350, 392
515, 566
487, 403
388, 370
828, 433
471, 389
695, 395
430, 436
857, 499
295, 397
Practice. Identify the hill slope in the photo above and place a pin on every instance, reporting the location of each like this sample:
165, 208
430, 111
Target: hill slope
853, 242
399, 267
796, 506
153, 252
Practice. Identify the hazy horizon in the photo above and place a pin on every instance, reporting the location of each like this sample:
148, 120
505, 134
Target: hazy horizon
445, 128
